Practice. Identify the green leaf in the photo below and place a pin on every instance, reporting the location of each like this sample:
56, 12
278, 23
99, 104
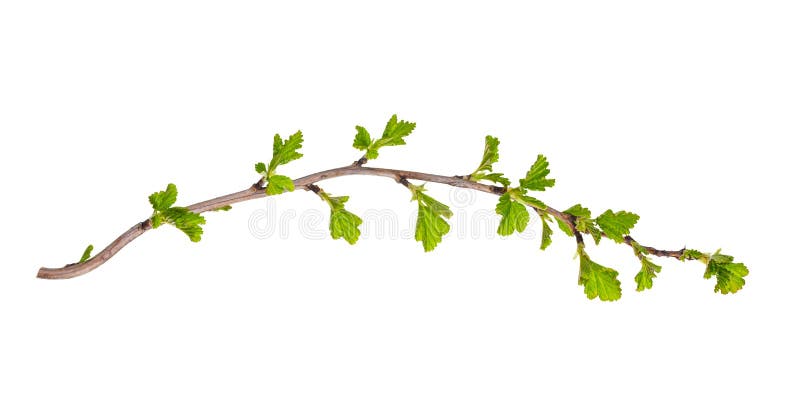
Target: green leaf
185, 220
565, 227
730, 275
493, 177
617, 225
714, 261
588, 226
278, 184
547, 231
223, 208
181, 217
579, 211
194, 232
393, 135
343, 224
536, 179
531, 201
491, 154
285, 151
513, 215
157, 220
372, 153
598, 280
431, 219
644, 279
692, 254
163, 200
86, 254
395, 132
437, 207
261, 169
362, 139
430, 228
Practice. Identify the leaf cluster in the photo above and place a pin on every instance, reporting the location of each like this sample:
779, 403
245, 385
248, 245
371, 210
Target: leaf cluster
730, 275
283, 152
394, 134
512, 205
491, 155
182, 218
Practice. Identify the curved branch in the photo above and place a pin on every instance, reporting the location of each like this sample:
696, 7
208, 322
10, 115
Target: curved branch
257, 191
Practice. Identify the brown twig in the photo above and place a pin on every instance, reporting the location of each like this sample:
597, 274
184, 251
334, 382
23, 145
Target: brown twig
307, 183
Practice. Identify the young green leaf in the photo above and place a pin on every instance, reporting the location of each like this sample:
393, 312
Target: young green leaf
565, 228
617, 225
395, 132
157, 220
693, 254
86, 254
491, 155
730, 275
431, 218
536, 178
513, 215
579, 211
531, 201
185, 220
278, 184
285, 151
362, 139
180, 217
343, 224
163, 200
393, 135
644, 279
547, 231
583, 222
261, 169
588, 226
430, 228
598, 280
497, 178
223, 208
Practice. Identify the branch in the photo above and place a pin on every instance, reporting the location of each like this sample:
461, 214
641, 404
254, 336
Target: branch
576, 221
257, 191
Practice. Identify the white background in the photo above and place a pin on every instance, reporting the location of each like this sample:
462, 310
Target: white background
685, 112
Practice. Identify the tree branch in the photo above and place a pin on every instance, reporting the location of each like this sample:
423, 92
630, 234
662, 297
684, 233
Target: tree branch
307, 183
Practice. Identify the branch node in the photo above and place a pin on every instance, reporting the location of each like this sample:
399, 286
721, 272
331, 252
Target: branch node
313, 188
360, 162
